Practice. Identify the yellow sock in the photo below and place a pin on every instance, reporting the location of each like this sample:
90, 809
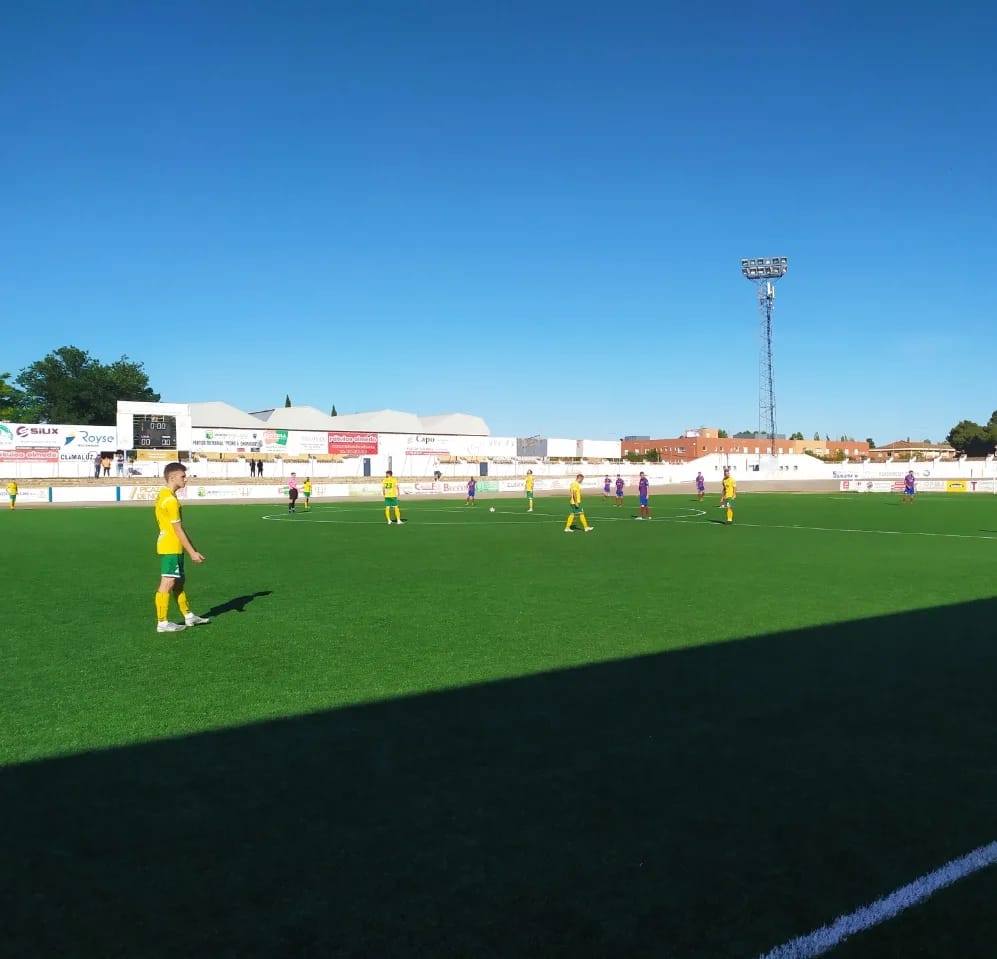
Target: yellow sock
162, 606
571, 521
182, 603
387, 513
398, 513
730, 515
585, 522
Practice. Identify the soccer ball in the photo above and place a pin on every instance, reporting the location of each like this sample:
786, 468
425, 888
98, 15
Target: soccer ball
491, 509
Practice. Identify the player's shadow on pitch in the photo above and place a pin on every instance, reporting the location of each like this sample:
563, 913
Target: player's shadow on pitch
238, 604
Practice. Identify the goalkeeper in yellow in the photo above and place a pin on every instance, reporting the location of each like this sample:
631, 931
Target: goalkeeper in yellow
575, 498
390, 489
729, 495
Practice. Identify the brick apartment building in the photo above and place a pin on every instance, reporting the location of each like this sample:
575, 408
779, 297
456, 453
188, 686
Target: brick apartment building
906, 450
704, 442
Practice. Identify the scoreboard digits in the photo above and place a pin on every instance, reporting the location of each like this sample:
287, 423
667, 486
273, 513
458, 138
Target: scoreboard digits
154, 432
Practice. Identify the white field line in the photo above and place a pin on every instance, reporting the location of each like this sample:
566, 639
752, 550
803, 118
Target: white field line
871, 532
827, 937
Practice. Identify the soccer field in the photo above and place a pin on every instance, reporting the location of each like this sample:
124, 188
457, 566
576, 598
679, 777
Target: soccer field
473, 735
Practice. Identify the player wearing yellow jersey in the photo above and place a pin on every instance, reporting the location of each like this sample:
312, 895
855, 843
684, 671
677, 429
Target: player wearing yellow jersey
170, 546
529, 490
729, 495
12, 492
575, 497
390, 488
306, 491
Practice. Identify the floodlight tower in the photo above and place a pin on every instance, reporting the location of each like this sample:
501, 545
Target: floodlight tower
763, 272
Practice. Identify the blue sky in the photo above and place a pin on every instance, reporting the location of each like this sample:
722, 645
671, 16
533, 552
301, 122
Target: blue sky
534, 212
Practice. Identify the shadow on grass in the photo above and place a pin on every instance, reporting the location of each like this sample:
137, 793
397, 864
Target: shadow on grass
709, 802
238, 604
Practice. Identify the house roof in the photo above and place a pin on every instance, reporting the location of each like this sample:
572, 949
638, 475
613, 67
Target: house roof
301, 418
310, 418
455, 424
906, 445
221, 416
380, 421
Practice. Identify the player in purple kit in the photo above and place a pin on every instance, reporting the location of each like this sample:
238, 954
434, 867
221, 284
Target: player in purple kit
607, 485
909, 489
700, 487
642, 488
471, 485
619, 490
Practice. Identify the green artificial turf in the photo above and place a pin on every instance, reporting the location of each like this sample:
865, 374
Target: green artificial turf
474, 735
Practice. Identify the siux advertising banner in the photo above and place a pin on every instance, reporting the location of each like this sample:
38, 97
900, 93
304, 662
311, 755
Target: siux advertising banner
57, 435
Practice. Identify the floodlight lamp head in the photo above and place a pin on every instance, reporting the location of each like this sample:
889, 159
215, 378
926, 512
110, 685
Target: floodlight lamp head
764, 268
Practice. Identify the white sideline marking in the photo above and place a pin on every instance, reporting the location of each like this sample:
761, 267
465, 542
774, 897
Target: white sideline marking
827, 937
841, 529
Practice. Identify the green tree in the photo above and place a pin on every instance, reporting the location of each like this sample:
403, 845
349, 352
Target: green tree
334, 413
745, 435
991, 429
817, 437
722, 434
287, 400
70, 386
11, 401
871, 442
970, 438
797, 436
652, 456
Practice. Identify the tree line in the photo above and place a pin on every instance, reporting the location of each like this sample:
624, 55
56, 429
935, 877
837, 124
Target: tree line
71, 386
972, 439
754, 434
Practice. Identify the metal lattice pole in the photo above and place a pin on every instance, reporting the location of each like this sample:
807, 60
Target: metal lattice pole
766, 386
763, 272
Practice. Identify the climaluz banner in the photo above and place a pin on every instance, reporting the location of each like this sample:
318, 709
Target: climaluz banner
353, 444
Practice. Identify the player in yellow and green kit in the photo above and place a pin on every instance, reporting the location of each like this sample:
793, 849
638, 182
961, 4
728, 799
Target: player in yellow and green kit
729, 495
12, 492
170, 546
575, 497
306, 490
390, 488
529, 490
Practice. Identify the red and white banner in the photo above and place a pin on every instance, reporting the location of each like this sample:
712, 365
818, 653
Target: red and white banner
31, 454
352, 443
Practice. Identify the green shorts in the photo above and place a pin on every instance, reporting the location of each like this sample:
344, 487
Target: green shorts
391, 501
529, 494
576, 509
171, 564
